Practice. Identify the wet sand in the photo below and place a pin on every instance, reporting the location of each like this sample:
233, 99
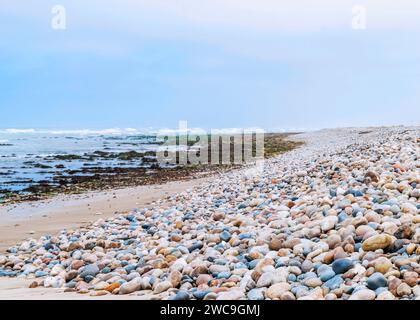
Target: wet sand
34, 219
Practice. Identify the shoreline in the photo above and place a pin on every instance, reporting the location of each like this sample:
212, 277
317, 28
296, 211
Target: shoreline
265, 223
99, 173
36, 218
50, 215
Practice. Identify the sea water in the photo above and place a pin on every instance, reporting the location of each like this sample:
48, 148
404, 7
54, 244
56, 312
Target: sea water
19, 149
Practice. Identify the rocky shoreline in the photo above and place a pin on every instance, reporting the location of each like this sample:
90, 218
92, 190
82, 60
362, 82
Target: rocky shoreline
102, 170
336, 219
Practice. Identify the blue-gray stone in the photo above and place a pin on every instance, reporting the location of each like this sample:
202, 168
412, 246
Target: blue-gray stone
334, 282
40, 273
252, 264
196, 246
342, 265
310, 275
244, 236
225, 236
376, 281
342, 216
322, 268
240, 265
242, 206
181, 295
71, 284
299, 289
4, 273
106, 270
223, 275
282, 261
89, 270
200, 294
358, 288
357, 193
294, 263
48, 246
130, 267
327, 275
348, 290
301, 277
255, 294
380, 290
221, 262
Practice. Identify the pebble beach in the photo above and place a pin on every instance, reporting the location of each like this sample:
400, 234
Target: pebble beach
335, 219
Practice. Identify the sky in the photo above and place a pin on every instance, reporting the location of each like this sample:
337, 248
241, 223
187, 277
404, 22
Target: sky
270, 64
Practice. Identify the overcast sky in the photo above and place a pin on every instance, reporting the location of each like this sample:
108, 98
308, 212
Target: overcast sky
215, 63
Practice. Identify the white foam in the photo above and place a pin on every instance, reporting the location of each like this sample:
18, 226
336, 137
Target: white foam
18, 131
110, 131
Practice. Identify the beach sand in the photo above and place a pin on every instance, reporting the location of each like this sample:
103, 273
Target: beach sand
18, 289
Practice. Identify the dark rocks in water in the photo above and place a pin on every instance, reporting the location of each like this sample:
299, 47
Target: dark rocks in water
130, 155
67, 157
41, 166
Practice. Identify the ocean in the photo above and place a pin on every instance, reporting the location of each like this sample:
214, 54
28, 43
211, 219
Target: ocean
30, 156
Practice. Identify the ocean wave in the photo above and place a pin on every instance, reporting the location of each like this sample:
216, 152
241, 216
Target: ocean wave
110, 131
18, 131
148, 131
